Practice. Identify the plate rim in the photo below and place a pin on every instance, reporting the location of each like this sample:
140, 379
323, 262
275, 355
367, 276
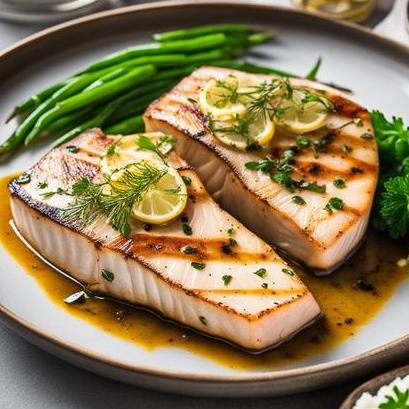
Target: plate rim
365, 361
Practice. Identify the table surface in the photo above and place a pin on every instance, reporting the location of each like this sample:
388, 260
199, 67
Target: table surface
31, 378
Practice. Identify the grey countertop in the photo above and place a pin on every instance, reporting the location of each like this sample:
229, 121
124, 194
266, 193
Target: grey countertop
33, 379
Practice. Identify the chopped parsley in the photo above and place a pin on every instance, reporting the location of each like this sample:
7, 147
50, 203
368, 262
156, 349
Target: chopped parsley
298, 200
42, 185
288, 271
198, 266
339, 183
189, 250
187, 229
187, 180
261, 272
107, 275
396, 400
335, 203
72, 149
231, 231
227, 279
303, 143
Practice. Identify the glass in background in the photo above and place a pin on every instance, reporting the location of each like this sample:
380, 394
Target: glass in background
350, 10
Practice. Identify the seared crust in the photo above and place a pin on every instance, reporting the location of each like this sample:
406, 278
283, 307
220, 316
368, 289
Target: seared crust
348, 156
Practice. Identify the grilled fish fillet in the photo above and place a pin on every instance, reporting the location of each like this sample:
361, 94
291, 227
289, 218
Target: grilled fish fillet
320, 239
150, 269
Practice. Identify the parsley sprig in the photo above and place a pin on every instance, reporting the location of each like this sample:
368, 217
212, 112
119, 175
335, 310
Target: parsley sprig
397, 400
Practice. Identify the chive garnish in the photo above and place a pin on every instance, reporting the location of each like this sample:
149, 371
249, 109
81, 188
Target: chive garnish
231, 231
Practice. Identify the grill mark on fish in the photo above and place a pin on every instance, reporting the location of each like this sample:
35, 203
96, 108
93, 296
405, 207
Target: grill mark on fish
171, 246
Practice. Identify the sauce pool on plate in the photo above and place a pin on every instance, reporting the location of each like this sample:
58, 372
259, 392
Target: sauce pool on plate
349, 298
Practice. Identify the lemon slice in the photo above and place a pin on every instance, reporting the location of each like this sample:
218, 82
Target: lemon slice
260, 131
125, 151
301, 117
164, 201
220, 98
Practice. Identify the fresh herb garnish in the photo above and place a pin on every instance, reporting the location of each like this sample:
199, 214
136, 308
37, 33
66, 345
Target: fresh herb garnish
261, 272
42, 185
227, 279
265, 285
162, 147
302, 143
187, 180
187, 229
335, 203
288, 271
198, 266
107, 275
298, 200
231, 231
72, 149
394, 206
58, 191
397, 400
189, 250
339, 183
114, 199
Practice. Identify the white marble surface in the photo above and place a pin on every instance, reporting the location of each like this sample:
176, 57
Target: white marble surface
33, 379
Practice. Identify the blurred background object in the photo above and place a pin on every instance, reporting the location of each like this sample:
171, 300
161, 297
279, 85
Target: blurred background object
47, 11
351, 10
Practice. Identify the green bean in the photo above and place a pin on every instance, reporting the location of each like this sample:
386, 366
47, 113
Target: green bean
97, 121
134, 107
111, 75
36, 99
312, 73
179, 46
217, 54
201, 30
69, 119
258, 38
103, 92
71, 88
127, 126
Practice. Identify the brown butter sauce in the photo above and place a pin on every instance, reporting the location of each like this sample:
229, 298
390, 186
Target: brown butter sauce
346, 308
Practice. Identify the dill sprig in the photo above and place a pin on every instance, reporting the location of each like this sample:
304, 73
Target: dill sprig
114, 198
162, 147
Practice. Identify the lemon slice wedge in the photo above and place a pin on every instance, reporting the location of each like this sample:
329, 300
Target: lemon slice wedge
164, 201
125, 151
220, 98
300, 117
260, 131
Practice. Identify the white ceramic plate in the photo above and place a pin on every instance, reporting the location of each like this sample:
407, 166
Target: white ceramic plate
377, 69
